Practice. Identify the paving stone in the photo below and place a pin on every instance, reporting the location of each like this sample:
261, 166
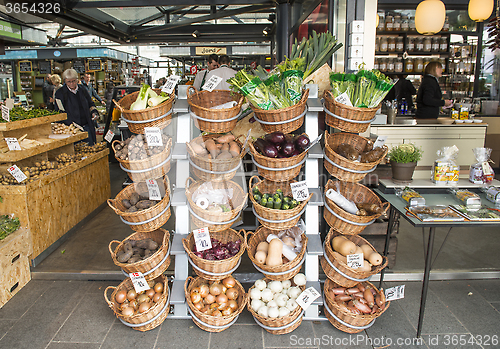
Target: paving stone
121, 336
5, 325
181, 334
287, 340
24, 299
66, 345
238, 336
327, 336
489, 289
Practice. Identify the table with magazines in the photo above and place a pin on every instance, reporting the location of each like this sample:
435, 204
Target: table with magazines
442, 209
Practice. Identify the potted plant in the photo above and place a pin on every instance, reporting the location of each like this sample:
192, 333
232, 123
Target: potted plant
403, 159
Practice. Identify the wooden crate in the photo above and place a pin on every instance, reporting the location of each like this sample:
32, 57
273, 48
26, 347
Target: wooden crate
15, 250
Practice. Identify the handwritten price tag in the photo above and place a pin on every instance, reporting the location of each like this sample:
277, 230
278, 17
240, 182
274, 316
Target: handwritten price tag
212, 83
78, 126
393, 293
154, 190
169, 86
300, 192
5, 113
487, 170
344, 99
17, 173
153, 136
12, 143
202, 239
139, 282
109, 136
306, 298
379, 142
355, 261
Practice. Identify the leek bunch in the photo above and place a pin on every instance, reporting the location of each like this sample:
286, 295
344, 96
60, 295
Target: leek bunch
148, 98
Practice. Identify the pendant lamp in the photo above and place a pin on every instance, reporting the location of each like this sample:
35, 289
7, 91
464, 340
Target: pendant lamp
430, 16
480, 10
377, 20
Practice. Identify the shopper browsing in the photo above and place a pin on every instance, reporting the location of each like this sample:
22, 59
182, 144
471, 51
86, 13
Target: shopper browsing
429, 96
224, 71
47, 92
90, 88
74, 99
55, 80
201, 76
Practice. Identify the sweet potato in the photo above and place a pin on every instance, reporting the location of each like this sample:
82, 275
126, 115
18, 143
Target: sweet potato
211, 147
234, 148
348, 151
224, 155
373, 155
225, 139
198, 149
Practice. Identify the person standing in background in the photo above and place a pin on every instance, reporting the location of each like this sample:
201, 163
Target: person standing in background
429, 96
56, 83
224, 72
404, 89
90, 88
201, 76
108, 95
48, 92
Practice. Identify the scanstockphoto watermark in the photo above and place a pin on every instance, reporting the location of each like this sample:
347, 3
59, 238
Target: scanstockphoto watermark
354, 340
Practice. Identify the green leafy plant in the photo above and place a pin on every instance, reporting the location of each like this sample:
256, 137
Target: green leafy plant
405, 153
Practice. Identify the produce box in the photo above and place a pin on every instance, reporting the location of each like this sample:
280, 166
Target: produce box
14, 264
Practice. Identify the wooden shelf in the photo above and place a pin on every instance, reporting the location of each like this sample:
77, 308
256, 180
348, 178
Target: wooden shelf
15, 125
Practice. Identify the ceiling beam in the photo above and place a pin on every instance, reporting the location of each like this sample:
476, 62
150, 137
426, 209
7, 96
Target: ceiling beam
75, 4
202, 39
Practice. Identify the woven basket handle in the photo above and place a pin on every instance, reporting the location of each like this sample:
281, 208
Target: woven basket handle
166, 240
191, 91
114, 143
240, 101
186, 283
111, 203
118, 106
250, 182
186, 186
185, 244
243, 233
385, 206
247, 235
111, 250
110, 304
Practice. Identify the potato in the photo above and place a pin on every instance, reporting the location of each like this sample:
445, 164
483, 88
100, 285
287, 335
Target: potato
132, 209
348, 151
145, 204
123, 256
134, 199
147, 244
373, 155
126, 203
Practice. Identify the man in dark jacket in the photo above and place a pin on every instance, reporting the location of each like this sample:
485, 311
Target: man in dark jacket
90, 88
48, 92
75, 101
405, 89
429, 96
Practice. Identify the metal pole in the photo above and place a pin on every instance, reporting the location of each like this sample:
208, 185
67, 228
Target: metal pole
425, 286
282, 30
479, 54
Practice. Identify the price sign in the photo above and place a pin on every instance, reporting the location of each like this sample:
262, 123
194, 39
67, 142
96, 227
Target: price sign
212, 83
153, 136
344, 99
393, 293
170, 84
154, 190
109, 136
139, 282
487, 170
12, 143
379, 142
78, 126
355, 261
306, 298
202, 239
5, 113
253, 65
299, 190
17, 173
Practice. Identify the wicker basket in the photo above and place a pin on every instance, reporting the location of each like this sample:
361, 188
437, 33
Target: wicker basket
346, 118
212, 323
214, 120
284, 120
216, 221
213, 169
145, 321
344, 221
280, 325
159, 116
153, 266
342, 168
338, 271
343, 319
155, 166
282, 272
277, 170
215, 270
271, 218
145, 220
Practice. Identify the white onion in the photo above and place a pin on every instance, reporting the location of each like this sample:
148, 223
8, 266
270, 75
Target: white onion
263, 311
284, 311
266, 295
256, 304
291, 304
260, 284
272, 303
275, 286
281, 300
286, 284
300, 279
294, 292
255, 293
273, 312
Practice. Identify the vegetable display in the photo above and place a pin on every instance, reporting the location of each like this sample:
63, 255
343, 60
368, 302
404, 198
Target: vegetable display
279, 145
360, 299
136, 148
219, 250
216, 298
20, 113
147, 98
365, 89
220, 148
369, 154
139, 199
275, 200
8, 225
133, 303
59, 128
136, 250
344, 247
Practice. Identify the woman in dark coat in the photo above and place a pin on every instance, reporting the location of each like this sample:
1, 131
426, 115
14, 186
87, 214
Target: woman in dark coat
74, 99
429, 96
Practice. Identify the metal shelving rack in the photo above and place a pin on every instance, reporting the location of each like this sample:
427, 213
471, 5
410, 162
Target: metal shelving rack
179, 203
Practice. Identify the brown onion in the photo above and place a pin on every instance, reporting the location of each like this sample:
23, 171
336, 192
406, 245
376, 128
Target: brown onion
198, 306
216, 289
195, 289
121, 296
232, 293
229, 282
158, 287
233, 304
222, 306
222, 298
204, 290
131, 294
128, 311
150, 293
227, 311
157, 297
217, 313
195, 297
142, 298
210, 298
205, 309
143, 307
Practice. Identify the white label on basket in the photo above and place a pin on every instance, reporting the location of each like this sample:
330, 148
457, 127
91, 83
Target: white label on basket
314, 142
154, 190
139, 282
212, 83
78, 126
153, 136
355, 261
344, 99
300, 192
202, 239
12, 143
109, 136
5, 113
170, 84
83, 158
379, 142
306, 298
393, 293
17, 173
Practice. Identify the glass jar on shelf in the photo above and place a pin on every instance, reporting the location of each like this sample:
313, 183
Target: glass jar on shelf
435, 44
443, 44
391, 44
412, 24
398, 65
409, 65
410, 46
389, 23
399, 44
376, 64
377, 44
427, 44
390, 65
405, 23
396, 26
383, 44
419, 44
381, 21
446, 25
383, 65
418, 65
